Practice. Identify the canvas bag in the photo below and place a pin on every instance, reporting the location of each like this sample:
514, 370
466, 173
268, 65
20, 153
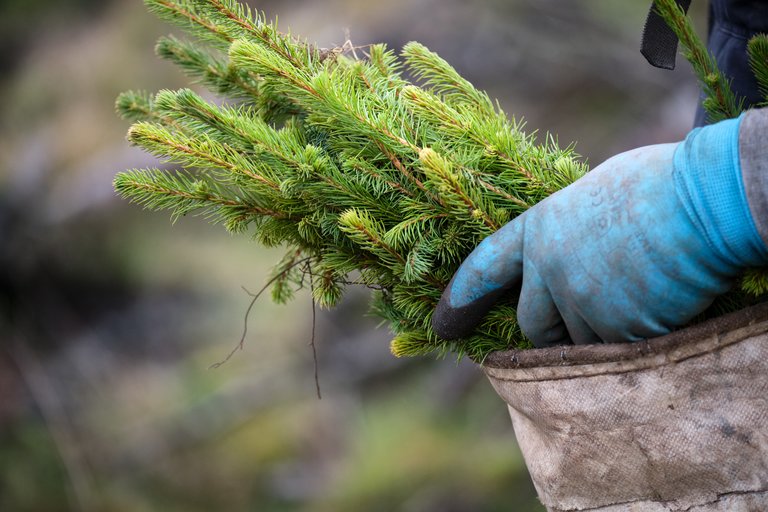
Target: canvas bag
677, 423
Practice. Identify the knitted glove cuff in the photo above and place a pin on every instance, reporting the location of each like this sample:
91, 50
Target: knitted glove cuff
709, 182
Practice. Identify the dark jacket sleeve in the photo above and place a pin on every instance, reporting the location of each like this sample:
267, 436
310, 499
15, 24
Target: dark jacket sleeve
731, 24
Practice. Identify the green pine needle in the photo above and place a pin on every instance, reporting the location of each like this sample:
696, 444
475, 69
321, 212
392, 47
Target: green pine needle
758, 61
720, 103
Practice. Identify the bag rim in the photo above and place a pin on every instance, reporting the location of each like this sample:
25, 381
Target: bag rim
577, 355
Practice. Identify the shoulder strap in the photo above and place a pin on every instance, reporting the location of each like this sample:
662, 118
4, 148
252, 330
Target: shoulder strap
659, 44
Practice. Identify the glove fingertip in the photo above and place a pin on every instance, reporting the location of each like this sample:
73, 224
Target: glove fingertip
451, 323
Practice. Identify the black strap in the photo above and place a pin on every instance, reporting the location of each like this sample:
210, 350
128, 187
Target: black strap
659, 45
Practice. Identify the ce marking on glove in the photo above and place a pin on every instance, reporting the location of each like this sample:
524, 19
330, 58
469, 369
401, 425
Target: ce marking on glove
604, 211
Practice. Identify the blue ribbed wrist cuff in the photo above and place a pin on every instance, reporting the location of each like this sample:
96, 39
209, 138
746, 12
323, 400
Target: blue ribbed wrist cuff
709, 181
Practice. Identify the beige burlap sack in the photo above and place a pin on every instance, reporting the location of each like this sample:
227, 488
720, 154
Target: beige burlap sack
671, 424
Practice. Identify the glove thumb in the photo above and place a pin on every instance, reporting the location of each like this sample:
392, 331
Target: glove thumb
488, 273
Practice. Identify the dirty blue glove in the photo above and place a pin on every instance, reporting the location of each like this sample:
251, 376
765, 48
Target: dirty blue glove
637, 247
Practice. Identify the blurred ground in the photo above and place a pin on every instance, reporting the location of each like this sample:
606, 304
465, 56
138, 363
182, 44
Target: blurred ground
110, 317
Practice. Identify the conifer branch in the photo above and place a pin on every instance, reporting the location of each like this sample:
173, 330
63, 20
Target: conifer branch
363, 229
443, 79
159, 190
757, 49
720, 102
206, 69
517, 201
238, 13
241, 17
372, 171
408, 174
325, 153
439, 169
135, 106
185, 13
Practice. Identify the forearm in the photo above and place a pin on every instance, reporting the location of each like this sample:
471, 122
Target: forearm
753, 153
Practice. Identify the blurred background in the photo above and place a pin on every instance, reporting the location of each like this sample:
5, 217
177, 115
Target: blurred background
110, 316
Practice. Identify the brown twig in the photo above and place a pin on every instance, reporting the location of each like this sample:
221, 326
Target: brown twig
314, 323
254, 298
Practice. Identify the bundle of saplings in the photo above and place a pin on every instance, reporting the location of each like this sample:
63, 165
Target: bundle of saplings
367, 166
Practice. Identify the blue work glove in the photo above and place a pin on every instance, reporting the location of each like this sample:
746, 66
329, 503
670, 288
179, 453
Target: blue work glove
635, 248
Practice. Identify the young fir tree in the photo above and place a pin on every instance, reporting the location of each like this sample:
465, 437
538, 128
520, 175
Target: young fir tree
364, 175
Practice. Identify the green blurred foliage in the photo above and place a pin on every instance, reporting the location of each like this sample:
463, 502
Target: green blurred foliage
110, 317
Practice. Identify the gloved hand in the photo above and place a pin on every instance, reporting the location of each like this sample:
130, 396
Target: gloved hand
637, 247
